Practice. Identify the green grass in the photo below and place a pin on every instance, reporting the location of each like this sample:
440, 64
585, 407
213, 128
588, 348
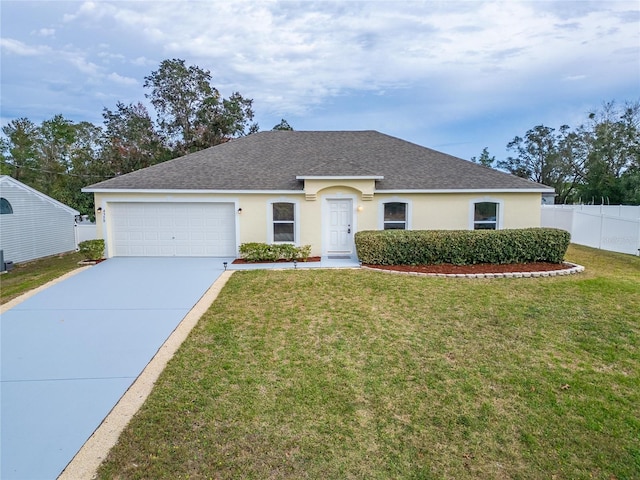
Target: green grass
360, 374
29, 275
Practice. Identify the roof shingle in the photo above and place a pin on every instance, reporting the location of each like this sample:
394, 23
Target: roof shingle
272, 160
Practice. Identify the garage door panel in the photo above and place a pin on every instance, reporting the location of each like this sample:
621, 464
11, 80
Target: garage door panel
198, 223
197, 237
135, 250
166, 229
136, 236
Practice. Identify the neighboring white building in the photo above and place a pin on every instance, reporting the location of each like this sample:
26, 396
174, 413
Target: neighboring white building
33, 225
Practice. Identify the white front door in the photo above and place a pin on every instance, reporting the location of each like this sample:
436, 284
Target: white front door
339, 226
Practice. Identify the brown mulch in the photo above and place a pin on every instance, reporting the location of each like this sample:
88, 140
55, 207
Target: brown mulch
447, 268
91, 262
242, 261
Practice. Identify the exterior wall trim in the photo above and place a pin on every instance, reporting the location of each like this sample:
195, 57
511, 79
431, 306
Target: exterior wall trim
472, 190
301, 192
325, 218
340, 177
498, 201
107, 227
296, 219
195, 192
409, 213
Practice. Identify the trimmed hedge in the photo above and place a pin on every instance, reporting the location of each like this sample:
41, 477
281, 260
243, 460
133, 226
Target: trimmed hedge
92, 249
461, 247
263, 252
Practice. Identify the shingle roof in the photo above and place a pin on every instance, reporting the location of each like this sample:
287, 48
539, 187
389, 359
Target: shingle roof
272, 160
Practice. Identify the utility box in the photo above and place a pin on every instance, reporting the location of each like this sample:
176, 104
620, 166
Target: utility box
5, 266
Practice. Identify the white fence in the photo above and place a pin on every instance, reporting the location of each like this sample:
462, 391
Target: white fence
609, 227
86, 231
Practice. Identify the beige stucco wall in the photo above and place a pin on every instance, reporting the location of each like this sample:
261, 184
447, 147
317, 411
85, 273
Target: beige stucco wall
427, 211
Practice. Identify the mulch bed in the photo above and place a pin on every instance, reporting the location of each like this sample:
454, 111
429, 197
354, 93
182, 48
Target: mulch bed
242, 261
91, 262
479, 268
449, 269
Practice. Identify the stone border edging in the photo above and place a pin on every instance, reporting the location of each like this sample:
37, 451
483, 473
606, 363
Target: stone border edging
86, 462
572, 270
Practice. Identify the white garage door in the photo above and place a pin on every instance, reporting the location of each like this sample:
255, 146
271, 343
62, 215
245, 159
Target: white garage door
173, 229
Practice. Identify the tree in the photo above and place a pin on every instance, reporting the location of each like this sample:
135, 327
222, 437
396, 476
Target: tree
283, 125
572, 154
191, 112
179, 93
19, 157
57, 157
5, 159
613, 160
630, 183
130, 140
536, 157
230, 118
597, 162
83, 167
54, 146
548, 158
484, 159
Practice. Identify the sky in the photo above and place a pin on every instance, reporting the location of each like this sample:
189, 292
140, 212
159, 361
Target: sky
456, 76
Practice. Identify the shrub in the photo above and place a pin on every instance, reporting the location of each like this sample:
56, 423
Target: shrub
263, 252
461, 247
92, 249
303, 253
286, 251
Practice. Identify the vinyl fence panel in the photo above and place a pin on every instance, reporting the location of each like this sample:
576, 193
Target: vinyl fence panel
609, 227
620, 235
86, 232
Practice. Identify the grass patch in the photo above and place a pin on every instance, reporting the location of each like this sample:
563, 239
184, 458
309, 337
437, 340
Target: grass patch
360, 374
29, 275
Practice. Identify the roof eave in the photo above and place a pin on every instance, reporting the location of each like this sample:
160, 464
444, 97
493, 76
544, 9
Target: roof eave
470, 190
301, 192
185, 190
339, 177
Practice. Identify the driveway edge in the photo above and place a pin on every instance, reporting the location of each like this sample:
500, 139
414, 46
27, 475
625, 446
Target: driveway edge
85, 463
21, 298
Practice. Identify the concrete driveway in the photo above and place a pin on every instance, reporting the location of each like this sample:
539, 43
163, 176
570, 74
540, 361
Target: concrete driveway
71, 351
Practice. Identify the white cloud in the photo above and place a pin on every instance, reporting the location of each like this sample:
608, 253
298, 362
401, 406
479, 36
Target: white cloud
108, 56
93, 10
114, 77
79, 61
17, 47
354, 61
46, 32
314, 51
142, 62
574, 78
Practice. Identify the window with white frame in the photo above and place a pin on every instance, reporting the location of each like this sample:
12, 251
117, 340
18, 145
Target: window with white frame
485, 216
5, 207
395, 216
283, 222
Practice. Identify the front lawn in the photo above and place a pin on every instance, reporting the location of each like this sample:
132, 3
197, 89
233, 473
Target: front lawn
29, 275
361, 374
